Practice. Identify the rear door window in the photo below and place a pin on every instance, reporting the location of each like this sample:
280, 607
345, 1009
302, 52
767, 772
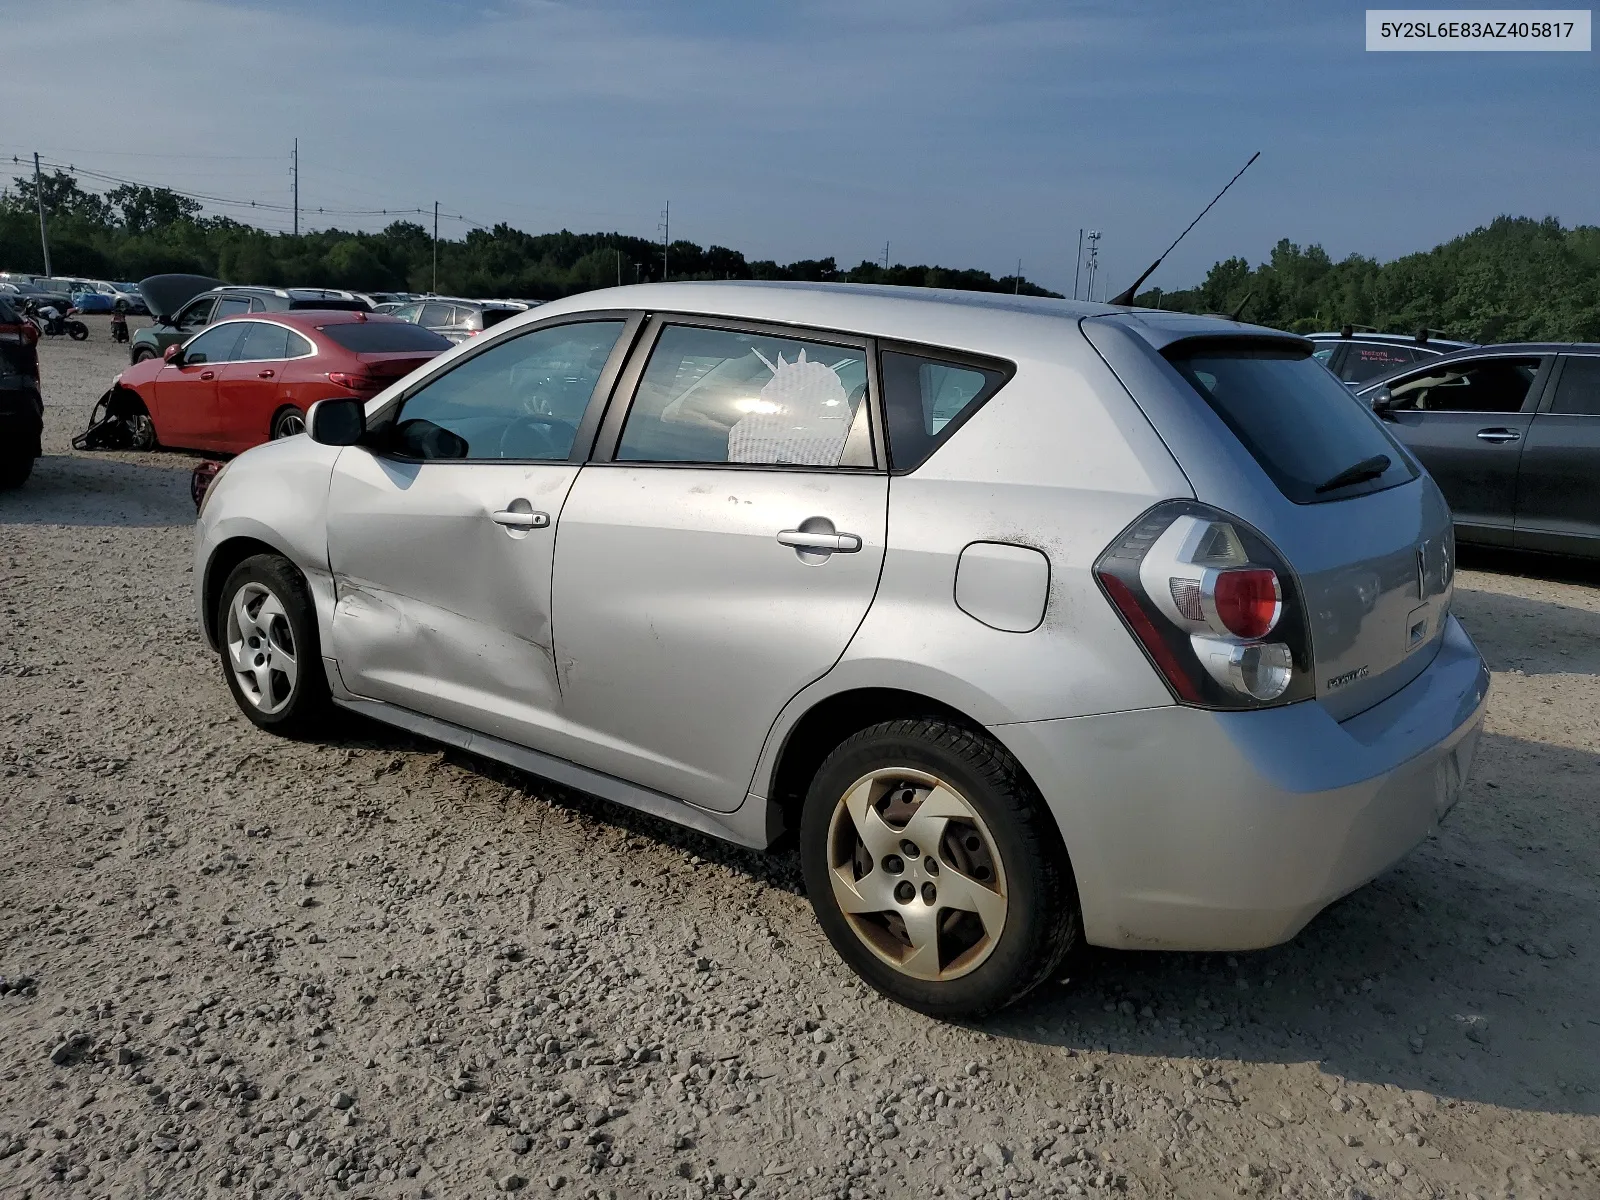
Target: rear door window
1578, 393
1304, 428
265, 342
232, 306
437, 316
726, 396
1494, 385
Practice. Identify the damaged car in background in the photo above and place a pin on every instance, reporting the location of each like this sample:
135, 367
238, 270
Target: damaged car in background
1035, 621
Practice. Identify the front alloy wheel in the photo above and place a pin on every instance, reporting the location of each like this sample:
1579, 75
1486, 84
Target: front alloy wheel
261, 648
266, 627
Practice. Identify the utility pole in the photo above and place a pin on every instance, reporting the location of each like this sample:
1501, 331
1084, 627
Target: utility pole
619, 268
1017, 289
666, 237
1094, 263
297, 187
38, 195
436, 247
885, 256
1078, 270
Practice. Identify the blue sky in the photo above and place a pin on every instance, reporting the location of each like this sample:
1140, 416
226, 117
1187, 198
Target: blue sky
968, 134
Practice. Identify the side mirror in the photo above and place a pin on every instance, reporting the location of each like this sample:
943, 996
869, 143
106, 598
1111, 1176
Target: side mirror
163, 319
173, 355
338, 422
1383, 401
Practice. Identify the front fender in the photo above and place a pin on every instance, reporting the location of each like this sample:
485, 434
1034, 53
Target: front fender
274, 496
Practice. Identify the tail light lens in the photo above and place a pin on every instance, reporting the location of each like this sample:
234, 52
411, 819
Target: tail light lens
1215, 607
356, 383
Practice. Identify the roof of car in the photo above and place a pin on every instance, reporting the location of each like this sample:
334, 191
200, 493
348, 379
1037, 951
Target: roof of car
312, 318
1399, 339
959, 320
293, 293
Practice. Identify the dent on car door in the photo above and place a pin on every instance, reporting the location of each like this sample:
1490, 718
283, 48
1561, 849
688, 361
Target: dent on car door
721, 558
441, 536
1558, 484
1466, 420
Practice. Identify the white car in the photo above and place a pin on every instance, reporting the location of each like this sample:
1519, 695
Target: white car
1034, 620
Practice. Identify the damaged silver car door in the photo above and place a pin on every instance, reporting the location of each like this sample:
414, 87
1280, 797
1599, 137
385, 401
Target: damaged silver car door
441, 533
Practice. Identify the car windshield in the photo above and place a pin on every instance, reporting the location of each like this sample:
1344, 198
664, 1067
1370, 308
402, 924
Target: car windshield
385, 337
1297, 421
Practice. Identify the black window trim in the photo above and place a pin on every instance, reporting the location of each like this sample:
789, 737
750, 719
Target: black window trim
379, 420
955, 358
1547, 402
1534, 402
627, 390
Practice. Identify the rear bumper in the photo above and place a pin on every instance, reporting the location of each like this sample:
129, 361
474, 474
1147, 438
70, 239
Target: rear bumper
1194, 830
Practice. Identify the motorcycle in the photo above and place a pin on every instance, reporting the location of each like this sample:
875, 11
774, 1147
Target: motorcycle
50, 322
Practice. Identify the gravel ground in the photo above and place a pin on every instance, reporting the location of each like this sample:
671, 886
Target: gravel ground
235, 965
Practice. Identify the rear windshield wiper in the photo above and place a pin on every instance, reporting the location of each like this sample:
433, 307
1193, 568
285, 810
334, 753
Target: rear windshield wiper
1367, 468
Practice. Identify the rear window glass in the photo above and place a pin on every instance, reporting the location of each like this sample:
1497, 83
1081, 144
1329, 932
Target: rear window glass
384, 337
1368, 360
1305, 429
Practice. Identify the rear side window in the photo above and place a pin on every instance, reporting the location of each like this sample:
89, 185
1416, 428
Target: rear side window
264, 343
926, 398
1301, 425
1578, 393
384, 337
1368, 360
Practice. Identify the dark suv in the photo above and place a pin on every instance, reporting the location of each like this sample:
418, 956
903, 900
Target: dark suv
21, 407
185, 304
1356, 356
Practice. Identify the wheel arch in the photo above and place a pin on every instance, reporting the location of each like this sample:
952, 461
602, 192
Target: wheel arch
228, 555
125, 402
829, 721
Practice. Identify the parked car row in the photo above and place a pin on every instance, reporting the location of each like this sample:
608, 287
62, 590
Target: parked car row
86, 295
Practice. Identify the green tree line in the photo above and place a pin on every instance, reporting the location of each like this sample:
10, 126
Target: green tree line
131, 232
1513, 280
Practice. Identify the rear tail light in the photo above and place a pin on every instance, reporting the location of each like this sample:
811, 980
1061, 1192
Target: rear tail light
356, 383
1216, 609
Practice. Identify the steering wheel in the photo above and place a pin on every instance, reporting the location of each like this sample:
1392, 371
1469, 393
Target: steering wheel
536, 437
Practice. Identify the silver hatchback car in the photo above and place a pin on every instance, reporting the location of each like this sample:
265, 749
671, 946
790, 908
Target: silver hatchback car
1035, 621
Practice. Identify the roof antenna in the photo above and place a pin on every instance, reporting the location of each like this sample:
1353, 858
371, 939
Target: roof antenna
1126, 297
1239, 312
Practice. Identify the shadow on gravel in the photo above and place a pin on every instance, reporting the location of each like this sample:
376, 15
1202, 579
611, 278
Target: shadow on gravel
1535, 637
1468, 971
88, 490
1559, 568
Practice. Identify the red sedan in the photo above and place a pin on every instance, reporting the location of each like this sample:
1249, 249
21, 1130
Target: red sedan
245, 380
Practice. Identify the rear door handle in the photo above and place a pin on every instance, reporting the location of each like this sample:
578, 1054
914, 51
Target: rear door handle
827, 543
208, 374
265, 374
1498, 435
512, 519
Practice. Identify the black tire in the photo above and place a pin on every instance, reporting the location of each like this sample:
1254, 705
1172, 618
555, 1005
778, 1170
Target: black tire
287, 422
140, 353
77, 330
14, 470
1041, 924
305, 704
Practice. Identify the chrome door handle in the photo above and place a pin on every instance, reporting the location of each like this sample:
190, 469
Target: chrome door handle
1498, 435
520, 520
827, 543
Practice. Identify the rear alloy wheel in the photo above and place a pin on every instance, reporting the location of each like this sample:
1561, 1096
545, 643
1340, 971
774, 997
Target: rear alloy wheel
935, 868
288, 423
267, 630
